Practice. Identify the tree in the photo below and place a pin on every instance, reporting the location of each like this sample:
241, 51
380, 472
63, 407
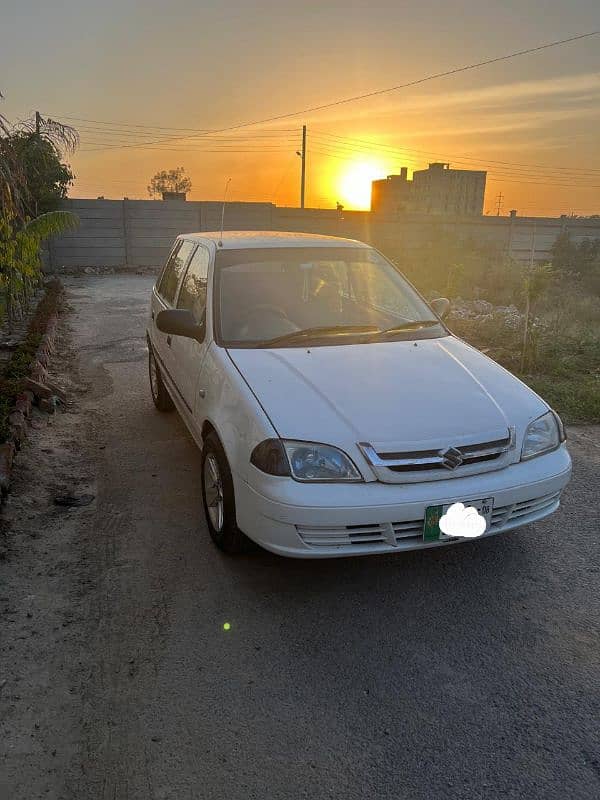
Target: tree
33, 178
46, 177
563, 251
172, 180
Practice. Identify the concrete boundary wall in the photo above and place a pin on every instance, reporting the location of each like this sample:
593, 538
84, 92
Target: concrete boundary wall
139, 233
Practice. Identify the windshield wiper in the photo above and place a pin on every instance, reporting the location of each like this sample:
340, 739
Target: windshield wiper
408, 326
322, 332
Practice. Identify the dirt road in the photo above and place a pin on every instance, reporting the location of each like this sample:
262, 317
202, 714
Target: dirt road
468, 672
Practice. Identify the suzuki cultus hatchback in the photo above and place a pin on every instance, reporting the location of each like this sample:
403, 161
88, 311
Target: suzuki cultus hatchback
336, 413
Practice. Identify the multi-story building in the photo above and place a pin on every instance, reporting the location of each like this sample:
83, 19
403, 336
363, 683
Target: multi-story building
393, 194
435, 190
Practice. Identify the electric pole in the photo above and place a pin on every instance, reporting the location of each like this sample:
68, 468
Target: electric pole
303, 157
499, 200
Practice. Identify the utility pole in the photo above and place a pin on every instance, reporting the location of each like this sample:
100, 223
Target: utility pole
38, 122
499, 200
303, 157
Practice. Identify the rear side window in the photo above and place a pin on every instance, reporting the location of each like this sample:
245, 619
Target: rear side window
167, 288
192, 295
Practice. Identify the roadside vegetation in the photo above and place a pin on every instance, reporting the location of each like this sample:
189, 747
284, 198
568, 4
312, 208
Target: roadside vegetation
541, 322
33, 181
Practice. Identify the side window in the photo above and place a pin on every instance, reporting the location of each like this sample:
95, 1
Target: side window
167, 288
161, 281
192, 295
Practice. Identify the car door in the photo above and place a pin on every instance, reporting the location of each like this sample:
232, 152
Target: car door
163, 297
188, 354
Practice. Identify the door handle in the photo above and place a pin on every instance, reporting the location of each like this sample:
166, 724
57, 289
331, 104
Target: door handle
169, 341
202, 393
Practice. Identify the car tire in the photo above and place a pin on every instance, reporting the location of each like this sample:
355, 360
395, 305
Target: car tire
160, 395
218, 499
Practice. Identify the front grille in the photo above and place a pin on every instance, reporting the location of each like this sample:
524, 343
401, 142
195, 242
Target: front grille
396, 534
449, 458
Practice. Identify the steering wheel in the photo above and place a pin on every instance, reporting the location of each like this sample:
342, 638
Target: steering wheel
264, 308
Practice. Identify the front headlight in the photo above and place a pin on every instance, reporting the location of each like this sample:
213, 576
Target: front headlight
310, 461
542, 436
304, 461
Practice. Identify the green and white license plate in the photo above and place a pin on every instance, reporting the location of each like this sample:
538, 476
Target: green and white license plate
431, 527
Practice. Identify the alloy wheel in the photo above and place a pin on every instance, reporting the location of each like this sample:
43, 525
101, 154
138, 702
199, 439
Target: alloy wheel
213, 492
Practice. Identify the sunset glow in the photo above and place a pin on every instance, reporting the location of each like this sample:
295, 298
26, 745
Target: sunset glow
531, 123
354, 185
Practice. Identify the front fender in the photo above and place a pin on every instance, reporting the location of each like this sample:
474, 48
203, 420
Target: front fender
231, 408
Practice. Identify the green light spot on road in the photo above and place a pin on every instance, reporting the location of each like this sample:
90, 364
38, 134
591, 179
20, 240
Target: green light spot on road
226, 626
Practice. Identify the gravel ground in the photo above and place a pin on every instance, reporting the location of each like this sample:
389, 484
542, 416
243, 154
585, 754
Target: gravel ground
466, 672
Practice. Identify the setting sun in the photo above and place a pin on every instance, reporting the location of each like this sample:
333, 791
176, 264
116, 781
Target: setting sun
354, 185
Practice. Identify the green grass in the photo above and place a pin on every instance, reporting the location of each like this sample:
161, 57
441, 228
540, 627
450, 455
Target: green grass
576, 398
565, 369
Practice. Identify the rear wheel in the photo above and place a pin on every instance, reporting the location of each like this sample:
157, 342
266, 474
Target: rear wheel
160, 395
219, 500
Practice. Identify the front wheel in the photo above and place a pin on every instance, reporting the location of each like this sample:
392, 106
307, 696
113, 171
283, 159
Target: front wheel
160, 395
219, 500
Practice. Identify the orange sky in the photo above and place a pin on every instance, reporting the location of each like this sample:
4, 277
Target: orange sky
134, 74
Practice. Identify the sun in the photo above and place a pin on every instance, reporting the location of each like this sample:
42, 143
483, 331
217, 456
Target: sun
354, 185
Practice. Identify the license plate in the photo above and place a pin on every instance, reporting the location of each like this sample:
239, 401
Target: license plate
431, 527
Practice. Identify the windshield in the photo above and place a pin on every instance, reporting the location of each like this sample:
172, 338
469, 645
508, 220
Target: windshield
295, 296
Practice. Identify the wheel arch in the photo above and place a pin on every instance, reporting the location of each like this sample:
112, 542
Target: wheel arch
207, 429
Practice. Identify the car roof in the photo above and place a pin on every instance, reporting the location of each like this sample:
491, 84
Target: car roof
237, 240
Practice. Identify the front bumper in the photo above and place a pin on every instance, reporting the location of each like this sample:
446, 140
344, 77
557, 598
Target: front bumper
333, 520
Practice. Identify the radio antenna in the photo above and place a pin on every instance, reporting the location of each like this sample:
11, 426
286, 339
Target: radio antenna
223, 211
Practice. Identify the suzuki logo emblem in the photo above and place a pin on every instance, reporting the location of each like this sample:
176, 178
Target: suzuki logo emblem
452, 458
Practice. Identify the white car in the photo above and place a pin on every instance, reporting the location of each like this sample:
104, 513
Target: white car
335, 412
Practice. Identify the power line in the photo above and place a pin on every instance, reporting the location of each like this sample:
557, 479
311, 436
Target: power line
378, 92
266, 134
196, 150
203, 131
334, 146
491, 176
499, 171
506, 179
139, 138
457, 158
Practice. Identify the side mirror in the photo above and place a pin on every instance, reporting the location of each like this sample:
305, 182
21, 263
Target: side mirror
441, 306
180, 322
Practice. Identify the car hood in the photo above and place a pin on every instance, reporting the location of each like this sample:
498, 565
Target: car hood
420, 394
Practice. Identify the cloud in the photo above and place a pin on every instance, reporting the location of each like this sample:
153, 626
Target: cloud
462, 521
501, 94
571, 90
